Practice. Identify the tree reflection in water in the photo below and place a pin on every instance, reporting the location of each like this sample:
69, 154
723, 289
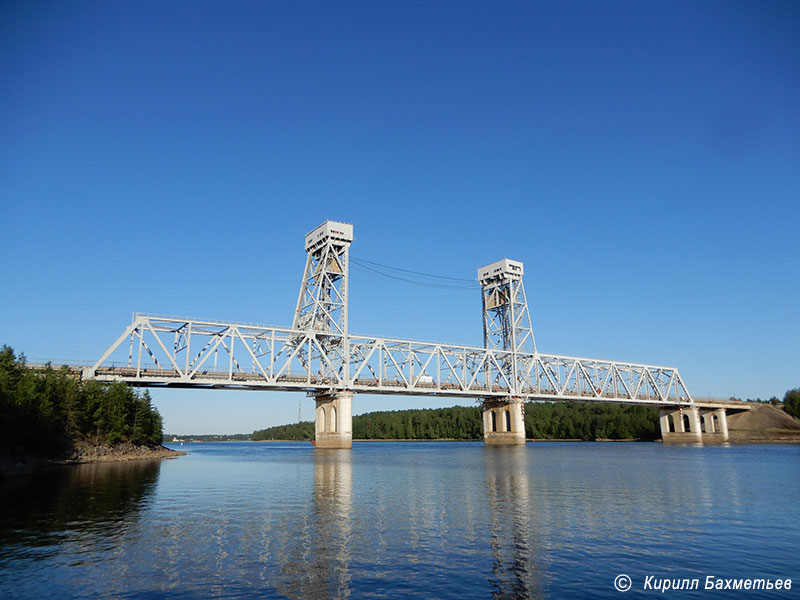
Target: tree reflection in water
96, 498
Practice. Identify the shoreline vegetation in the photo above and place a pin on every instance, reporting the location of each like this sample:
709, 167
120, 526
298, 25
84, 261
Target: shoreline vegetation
557, 420
553, 421
49, 417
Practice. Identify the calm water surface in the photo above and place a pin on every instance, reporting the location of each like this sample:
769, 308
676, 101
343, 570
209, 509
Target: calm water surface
404, 520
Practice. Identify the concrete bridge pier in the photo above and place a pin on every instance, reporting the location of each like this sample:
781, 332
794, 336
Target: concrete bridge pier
504, 422
334, 420
714, 424
680, 425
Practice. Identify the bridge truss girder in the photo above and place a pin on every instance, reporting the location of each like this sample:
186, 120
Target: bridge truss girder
159, 351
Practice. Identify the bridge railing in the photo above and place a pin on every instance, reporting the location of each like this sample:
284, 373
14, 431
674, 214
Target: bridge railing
157, 350
480, 371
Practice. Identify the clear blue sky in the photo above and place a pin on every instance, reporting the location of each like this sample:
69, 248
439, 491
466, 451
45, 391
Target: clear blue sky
641, 158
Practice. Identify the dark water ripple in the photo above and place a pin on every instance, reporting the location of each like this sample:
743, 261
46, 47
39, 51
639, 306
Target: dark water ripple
402, 520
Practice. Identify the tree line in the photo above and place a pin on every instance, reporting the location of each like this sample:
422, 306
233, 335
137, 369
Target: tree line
791, 403
48, 411
546, 420
543, 420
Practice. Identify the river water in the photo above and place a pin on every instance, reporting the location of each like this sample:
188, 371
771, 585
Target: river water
405, 520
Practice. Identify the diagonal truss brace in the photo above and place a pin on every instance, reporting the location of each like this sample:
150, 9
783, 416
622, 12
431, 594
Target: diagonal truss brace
248, 356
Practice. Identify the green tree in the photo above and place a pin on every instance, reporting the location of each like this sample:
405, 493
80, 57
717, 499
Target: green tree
46, 411
791, 403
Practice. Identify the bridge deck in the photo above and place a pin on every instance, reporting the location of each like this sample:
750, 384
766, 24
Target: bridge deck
300, 382
177, 352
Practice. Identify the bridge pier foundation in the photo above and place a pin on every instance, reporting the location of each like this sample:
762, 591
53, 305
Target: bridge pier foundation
504, 422
714, 424
334, 420
691, 425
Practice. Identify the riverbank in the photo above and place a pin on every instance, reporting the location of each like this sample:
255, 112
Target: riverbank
87, 453
16, 466
763, 425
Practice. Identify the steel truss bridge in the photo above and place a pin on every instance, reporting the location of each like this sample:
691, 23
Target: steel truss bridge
317, 354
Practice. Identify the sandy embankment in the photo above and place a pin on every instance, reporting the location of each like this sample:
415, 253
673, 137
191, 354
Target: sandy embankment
763, 425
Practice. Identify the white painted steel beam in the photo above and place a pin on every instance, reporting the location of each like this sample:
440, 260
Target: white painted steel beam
248, 356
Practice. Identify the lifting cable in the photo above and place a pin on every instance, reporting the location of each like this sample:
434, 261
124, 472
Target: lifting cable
415, 277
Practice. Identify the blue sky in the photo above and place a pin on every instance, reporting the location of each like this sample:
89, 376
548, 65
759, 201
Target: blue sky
641, 158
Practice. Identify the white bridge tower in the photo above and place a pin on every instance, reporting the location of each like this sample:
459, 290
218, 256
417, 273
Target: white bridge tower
322, 309
506, 327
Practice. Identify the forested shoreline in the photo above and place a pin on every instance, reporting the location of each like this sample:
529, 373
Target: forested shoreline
50, 412
547, 420
543, 420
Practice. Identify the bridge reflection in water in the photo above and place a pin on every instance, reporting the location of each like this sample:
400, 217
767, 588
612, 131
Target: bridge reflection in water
394, 544
317, 565
514, 572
